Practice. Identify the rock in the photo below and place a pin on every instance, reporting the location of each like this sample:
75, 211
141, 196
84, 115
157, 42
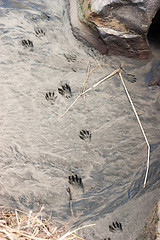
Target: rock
155, 74
83, 32
119, 26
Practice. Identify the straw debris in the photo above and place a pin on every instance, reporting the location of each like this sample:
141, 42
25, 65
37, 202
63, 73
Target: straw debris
19, 225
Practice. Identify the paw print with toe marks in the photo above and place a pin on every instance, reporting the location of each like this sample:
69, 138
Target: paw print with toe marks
116, 226
70, 57
27, 43
65, 91
130, 77
50, 96
39, 32
75, 180
85, 135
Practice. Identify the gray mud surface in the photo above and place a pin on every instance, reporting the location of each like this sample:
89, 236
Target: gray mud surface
39, 150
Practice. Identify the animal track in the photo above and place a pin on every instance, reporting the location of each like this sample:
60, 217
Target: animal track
50, 97
27, 43
85, 135
44, 16
116, 226
75, 180
130, 77
65, 91
70, 58
39, 32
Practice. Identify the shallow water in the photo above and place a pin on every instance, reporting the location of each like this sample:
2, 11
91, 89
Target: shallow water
39, 150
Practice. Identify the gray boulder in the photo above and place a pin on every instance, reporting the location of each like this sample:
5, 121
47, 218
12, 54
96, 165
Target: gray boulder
120, 26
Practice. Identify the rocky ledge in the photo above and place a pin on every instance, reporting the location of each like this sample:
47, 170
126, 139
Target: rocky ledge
115, 27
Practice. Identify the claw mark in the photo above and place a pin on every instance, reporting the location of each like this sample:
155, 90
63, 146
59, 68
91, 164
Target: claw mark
131, 78
85, 135
65, 91
50, 97
27, 43
70, 58
75, 180
39, 32
115, 227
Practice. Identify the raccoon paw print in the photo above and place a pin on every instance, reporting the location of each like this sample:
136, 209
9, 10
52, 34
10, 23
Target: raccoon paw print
75, 180
130, 77
85, 135
65, 91
27, 43
50, 97
39, 32
70, 58
116, 226
44, 16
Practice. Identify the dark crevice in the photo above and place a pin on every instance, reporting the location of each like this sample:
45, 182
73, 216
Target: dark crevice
154, 30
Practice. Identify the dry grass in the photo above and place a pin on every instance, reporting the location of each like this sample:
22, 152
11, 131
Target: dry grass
19, 225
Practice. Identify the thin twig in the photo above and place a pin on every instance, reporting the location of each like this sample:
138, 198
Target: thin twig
84, 84
145, 137
8, 234
29, 217
81, 94
85, 81
18, 223
88, 71
96, 59
44, 227
88, 75
38, 214
21, 233
70, 200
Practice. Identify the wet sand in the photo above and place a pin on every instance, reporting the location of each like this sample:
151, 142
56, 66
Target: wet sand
39, 150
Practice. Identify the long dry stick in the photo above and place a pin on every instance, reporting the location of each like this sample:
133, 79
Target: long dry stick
70, 200
86, 79
89, 89
139, 122
145, 137
88, 75
18, 222
8, 234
